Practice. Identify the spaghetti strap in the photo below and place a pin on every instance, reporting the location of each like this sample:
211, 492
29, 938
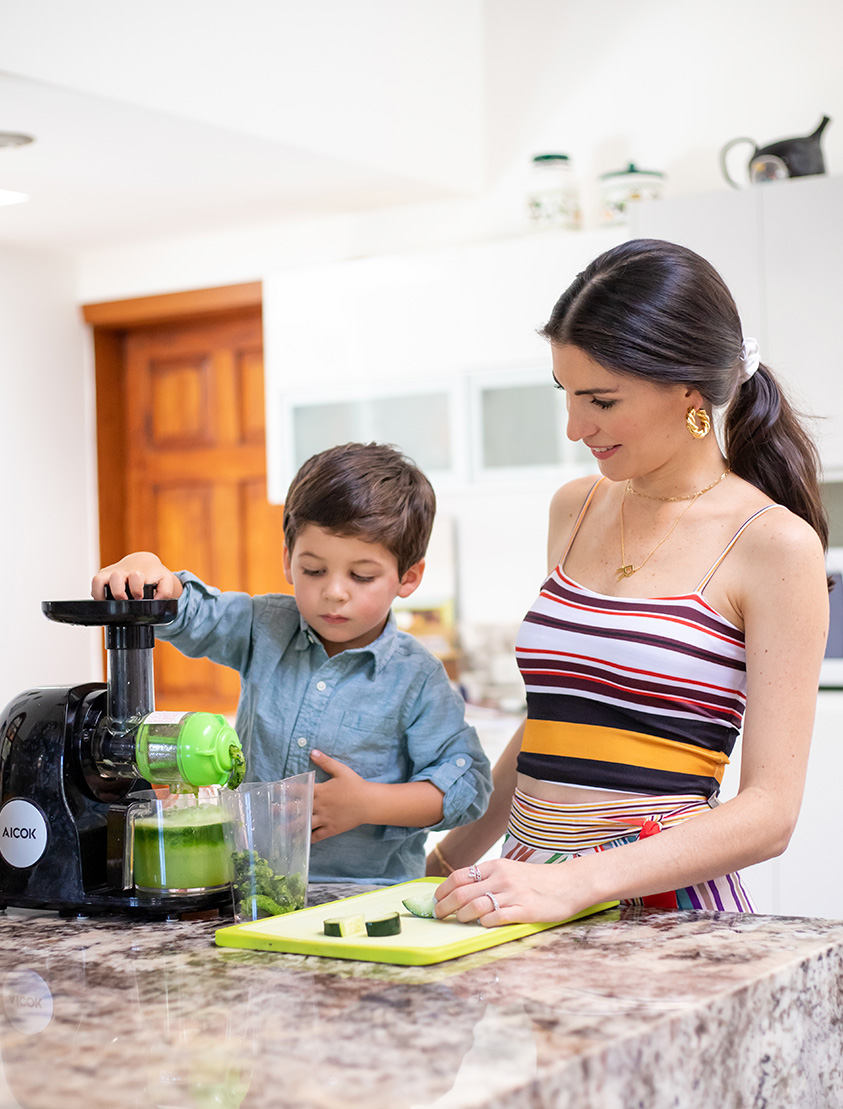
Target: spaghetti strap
578, 521
707, 578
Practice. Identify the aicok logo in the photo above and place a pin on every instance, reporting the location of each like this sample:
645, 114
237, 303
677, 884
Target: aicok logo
23, 833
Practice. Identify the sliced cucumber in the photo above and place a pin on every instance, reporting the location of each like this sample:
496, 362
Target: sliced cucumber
387, 925
352, 925
421, 904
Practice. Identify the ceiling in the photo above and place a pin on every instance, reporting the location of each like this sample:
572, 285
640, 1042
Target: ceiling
169, 120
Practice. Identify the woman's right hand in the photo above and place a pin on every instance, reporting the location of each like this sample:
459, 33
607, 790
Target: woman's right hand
127, 578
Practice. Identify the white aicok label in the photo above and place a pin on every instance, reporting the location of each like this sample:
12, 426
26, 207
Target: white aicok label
164, 717
23, 833
27, 1001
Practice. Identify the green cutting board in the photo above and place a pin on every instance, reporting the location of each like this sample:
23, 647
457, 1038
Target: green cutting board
421, 940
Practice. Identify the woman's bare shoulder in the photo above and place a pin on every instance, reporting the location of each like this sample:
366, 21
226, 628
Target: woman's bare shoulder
568, 499
565, 506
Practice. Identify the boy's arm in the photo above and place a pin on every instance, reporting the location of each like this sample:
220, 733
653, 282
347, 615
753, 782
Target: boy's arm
346, 800
449, 780
209, 624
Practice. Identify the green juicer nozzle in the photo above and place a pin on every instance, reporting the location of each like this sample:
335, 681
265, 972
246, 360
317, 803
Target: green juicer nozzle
189, 748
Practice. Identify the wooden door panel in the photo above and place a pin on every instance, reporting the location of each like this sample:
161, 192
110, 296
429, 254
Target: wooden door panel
263, 570
180, 405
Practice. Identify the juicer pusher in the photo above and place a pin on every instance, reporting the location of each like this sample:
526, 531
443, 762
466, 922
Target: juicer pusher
70, 756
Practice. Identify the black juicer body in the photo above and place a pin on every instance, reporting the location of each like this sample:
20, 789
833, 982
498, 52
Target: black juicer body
66, 764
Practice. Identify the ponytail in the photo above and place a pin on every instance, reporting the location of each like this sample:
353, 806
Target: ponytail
767, 446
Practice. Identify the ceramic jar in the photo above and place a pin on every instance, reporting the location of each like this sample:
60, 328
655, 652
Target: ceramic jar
554, 200
620, 188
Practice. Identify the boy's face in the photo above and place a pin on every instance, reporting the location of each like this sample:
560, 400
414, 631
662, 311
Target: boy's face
344, 586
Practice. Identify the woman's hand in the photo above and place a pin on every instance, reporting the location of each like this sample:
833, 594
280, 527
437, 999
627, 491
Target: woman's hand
127, 578
523, 893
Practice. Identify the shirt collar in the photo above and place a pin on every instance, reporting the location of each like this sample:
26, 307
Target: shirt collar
380, 651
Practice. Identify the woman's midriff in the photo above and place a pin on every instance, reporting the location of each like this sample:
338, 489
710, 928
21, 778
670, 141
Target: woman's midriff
567, 795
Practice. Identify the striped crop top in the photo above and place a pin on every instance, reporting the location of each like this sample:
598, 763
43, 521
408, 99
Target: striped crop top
639, 695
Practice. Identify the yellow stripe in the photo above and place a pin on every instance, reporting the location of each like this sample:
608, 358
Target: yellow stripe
589, 741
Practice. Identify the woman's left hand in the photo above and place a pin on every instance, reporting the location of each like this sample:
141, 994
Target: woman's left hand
502, 891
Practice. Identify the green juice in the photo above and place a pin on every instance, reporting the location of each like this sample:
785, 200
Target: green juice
185, 849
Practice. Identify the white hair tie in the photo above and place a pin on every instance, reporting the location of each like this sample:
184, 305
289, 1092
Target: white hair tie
750, 359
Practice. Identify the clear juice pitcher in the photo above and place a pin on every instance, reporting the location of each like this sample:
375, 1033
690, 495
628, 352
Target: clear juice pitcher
178, 843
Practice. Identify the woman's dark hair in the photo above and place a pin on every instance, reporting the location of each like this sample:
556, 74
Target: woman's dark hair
657, 310
367, 490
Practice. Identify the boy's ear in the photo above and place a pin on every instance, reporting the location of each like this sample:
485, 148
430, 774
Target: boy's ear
288, 569
411, 580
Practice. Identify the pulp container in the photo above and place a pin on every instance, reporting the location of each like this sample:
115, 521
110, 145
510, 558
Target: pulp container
271, 833
178, 843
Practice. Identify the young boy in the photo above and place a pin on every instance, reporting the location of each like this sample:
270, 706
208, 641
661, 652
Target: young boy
326, 677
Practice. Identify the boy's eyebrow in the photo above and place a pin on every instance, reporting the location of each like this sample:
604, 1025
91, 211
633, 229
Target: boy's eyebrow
357, 561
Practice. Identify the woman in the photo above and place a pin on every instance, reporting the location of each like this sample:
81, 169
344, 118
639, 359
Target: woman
687, 600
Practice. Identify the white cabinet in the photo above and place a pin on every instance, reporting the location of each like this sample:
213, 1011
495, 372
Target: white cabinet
807, 880
778, 246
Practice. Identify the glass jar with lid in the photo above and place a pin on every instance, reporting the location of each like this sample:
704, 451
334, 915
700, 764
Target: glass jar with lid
554, 199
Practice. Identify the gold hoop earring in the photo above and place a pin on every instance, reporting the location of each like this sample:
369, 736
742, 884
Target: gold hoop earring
697, 422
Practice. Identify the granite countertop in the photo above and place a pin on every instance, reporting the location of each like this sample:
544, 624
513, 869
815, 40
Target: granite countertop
627, 1008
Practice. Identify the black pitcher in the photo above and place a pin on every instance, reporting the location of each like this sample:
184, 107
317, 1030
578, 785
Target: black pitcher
799, 157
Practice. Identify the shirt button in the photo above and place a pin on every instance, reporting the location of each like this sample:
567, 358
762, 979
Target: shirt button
320, 686
302, 742
460, 762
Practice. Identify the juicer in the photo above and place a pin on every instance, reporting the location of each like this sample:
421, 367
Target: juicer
71, 757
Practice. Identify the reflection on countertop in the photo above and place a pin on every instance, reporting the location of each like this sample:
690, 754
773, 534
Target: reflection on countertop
623, 1009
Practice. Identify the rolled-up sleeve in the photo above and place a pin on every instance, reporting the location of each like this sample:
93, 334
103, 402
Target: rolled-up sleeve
446, 751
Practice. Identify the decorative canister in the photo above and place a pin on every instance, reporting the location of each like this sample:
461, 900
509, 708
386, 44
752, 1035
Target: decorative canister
554, 199
620, 188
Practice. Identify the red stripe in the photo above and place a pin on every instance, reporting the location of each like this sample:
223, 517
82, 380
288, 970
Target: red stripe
640, 614
637, 694
667, 678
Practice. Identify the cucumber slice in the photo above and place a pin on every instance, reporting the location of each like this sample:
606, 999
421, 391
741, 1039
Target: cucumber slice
387, 925
352, 925
421, 904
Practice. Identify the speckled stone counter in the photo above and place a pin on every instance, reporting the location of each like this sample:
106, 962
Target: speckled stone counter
621, 1010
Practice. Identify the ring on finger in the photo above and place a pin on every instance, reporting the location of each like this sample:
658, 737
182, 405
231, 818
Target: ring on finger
494, 901
474, 872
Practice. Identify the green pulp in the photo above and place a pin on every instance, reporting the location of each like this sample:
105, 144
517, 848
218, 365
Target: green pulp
185, 849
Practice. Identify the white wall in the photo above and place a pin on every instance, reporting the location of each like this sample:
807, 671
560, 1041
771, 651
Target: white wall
47, 484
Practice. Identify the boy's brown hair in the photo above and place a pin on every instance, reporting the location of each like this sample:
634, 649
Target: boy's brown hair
367, 490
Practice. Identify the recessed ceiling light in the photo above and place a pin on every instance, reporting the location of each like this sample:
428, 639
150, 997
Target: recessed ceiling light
7, 196
14, 138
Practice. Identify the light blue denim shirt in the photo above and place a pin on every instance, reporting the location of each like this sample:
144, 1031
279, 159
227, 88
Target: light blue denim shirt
386, 710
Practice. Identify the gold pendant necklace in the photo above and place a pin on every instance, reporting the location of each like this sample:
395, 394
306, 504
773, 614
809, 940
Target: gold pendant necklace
626, 569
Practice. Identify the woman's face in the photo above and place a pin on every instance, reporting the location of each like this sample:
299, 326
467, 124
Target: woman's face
631, 426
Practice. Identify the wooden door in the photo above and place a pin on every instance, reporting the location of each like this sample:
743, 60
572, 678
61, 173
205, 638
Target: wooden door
191, 465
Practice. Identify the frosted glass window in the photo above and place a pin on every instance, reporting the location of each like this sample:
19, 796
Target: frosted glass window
521, 426
418, 424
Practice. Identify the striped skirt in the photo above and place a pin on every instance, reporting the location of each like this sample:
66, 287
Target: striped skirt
546, 832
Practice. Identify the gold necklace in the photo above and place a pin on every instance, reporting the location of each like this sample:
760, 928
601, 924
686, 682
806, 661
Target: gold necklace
626, 569
688, 497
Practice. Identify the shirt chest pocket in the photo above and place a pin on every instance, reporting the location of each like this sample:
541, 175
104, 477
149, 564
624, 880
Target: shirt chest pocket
372, 745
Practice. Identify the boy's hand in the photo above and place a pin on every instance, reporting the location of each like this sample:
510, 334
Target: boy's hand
127, 578
340, 803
